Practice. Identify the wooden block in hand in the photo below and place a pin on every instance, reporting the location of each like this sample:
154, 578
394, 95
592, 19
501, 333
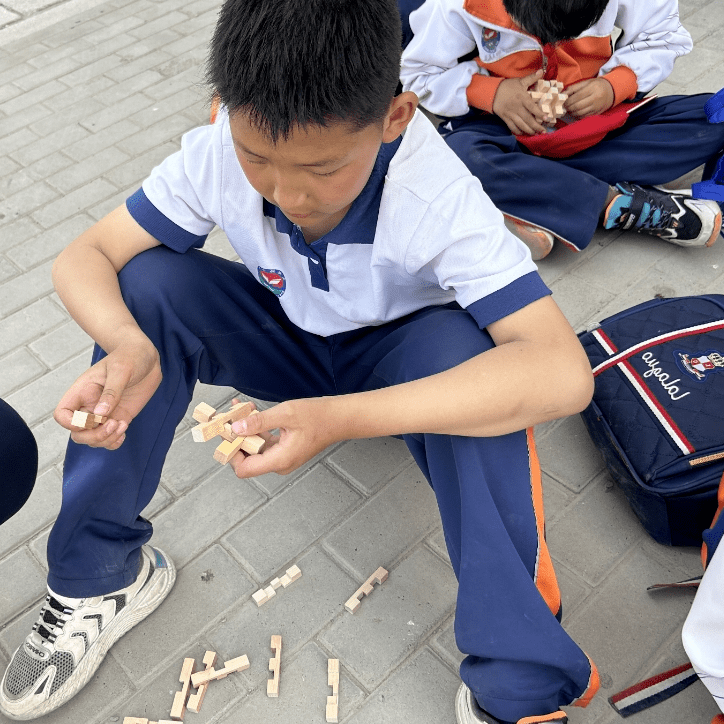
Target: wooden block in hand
203, 412
227, 450
87, 420
206, 430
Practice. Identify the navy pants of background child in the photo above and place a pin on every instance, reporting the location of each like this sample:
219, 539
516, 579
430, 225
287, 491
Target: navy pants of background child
665, 139
18, 461
212, 321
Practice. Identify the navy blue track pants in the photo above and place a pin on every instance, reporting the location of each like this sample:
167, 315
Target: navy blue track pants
212, 321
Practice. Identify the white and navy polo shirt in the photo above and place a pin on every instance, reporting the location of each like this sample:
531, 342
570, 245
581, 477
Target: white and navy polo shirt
421, 233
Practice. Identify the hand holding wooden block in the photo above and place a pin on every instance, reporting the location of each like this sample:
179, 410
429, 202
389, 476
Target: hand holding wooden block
87, 420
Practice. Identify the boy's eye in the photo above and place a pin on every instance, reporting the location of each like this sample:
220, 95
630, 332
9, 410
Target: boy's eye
327, 173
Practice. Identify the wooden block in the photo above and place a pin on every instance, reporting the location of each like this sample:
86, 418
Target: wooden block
197, 699
240, 663
272, 685
203, 412
253, 444
294, 573
333, 675
134, 720
87, 420
285, 580
206, 430
379, 576
179, 701
332, 712
227, 450
260, 597
270, 592
228, 434
275, 583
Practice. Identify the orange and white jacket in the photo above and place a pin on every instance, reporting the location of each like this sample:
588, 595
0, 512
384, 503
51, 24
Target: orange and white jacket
651, 39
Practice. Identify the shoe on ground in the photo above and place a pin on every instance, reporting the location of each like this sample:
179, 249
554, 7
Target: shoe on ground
467, 711
671, 215
72, 636
537, 239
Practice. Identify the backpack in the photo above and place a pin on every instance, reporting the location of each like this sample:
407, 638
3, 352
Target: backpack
657, 413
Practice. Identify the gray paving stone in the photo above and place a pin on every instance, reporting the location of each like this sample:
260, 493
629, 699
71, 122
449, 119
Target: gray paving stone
65, 117
297, 613
368, 464
108, 116
7, 270
21, 583
88, 72
303, 693
49, 165
39, 548
52, 441
168, 86
91, 145
98, 211
8, 167
41, 508
61, 344
578, 299
160, 24
597, 529
191, 524
27, 106
621, 645
555, 498
204, 590
135, 170
56, 141
25, 288
143, 141
388, 525
41, 77
17, 232
424, 690
300, 515
125, 70
38, 400
188, 462
568, 455
48, 56
444, 644
573, 591
13, 634
171, 106
7, 17
121, 91
18, 368
27, 255
11, 185
437, 542
395, 619
91, 168
79, 93
28, 323
18, 139
26, 201
74, 202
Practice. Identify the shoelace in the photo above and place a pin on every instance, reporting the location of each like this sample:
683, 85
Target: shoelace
53, 616
647, 223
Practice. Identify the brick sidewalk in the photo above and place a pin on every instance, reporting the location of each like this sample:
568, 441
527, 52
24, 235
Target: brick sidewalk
87, 107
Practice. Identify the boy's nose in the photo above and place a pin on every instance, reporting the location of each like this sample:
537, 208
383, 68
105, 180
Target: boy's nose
288, 197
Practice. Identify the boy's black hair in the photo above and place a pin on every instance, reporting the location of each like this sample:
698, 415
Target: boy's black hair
554, 20
289, 63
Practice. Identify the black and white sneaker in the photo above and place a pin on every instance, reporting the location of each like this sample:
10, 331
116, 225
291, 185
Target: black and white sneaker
670, 215
72, 636
467, 711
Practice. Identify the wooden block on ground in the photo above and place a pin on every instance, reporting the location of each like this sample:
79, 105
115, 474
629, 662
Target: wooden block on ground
179, 701
332, 712
197, 699
134, 720
260, 597
379, 576
240, 663
275, 583
285, 580
270, 592
87, 420
275, 665
294, 573
203, 412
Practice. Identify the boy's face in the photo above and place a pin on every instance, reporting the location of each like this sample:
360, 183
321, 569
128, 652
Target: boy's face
314, 175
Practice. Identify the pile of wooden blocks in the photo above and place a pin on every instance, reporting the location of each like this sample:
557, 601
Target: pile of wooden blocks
213, 424
550, 97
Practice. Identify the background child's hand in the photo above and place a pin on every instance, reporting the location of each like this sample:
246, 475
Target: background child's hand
118, 386
589, 97
514, 105
303, 433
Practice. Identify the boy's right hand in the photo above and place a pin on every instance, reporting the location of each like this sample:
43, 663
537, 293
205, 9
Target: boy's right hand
515, 106
118, 387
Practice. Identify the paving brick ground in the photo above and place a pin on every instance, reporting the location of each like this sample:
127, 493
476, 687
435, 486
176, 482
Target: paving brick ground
87, 107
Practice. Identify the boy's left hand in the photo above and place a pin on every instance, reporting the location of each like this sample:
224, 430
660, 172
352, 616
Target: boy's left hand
589, 97
302, 435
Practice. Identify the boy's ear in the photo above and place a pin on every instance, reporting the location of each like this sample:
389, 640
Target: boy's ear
402, 109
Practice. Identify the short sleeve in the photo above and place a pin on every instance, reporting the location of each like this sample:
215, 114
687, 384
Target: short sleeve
179, 202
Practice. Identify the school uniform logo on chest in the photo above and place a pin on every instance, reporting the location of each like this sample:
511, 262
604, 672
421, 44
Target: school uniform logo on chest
273, 279
701, 365
490, 40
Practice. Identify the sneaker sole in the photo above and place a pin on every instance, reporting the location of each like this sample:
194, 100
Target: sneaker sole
141, 607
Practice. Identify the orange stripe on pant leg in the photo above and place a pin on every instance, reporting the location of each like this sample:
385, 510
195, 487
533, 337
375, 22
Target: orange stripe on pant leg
594, 684
545, 576
720, 499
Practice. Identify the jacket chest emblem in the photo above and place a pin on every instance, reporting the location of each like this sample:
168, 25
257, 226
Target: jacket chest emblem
490, 40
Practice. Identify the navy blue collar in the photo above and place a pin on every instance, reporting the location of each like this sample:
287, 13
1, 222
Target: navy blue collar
357, 227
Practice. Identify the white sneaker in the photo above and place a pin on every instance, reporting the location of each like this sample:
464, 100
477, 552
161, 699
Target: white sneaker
72, 636
467, 711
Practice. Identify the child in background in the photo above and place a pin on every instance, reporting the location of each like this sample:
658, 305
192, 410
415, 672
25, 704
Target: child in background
473, 61
18, 460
